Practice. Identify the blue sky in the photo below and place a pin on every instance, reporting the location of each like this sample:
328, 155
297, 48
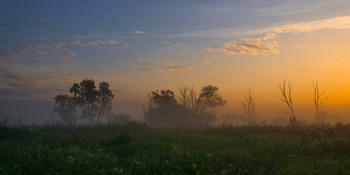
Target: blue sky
139, 46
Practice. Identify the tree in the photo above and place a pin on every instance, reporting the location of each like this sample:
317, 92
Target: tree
162, 97
319, 100
188, 98
287, 99
105, 99
164, 111
209, 98
93, 103
66, 108
249, 108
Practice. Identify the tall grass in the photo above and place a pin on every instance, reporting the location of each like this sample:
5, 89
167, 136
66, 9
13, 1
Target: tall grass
135, 148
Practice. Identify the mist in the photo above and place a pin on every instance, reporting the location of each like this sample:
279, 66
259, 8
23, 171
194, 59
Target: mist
175, 87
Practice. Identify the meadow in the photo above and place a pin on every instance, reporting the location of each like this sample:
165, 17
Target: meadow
135, 148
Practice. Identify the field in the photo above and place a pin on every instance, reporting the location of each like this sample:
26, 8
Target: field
137, 149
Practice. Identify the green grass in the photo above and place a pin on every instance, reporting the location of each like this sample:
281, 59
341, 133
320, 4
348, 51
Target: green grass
137, 149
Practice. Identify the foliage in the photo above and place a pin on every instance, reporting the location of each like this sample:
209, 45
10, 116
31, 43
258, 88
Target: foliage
209, 98
192, 111
169, 116
162, 97
136, 149
92, 102
66, 108
105, 99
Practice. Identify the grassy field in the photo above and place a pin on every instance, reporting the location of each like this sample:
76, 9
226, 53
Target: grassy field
137, 149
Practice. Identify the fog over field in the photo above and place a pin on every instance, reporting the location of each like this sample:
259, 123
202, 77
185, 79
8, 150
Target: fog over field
47, 46
175, 87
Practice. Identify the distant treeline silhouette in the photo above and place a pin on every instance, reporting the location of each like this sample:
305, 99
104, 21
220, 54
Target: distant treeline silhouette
93, 103
192, 110
165, 109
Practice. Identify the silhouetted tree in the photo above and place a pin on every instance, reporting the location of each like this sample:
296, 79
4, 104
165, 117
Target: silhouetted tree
164, 111
192, 110
66, 108
287, 99
209, 98
319, 100
105, 99
188, 98
249, 108
93, 103
162, 97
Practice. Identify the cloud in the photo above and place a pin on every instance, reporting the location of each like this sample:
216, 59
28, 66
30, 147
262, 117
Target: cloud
3, 28
6, 54
77, 41
135, 67
15, 80
162, 65
166, 42
177, 68
99, 42
342, 22
248, 46
40, 52
59, 45
330, 23
56, 50
46, 19
48, 82
258, 46
269, 36
138, 32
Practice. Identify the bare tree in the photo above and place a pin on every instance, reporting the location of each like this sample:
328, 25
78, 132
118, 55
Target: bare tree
209, 98
287, 99
319, 100
184, 97
249, 108
188, 98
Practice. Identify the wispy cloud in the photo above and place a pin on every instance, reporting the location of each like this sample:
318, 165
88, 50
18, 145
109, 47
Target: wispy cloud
249, 46
6, 54
14, 85
15, 80
99, 42
330, 23
58, 50
342, 22
138, 32
162, 65
269, 36
264, 45
45, 19
77, 41
135, 67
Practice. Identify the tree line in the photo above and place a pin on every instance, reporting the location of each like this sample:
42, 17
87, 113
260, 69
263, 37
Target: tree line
190, 108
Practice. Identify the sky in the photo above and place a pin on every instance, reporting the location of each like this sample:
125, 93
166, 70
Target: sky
141, 46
